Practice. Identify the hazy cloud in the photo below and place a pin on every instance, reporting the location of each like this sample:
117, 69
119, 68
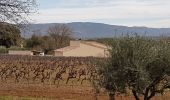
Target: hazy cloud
152, 13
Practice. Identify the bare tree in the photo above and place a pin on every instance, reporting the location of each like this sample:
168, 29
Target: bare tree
15, 11
61, 34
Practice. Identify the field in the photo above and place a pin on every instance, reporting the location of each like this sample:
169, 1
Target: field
51, 78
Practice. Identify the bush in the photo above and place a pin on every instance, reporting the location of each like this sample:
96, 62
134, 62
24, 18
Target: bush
3, 50
16, 48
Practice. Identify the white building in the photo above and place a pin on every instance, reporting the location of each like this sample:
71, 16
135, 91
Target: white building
16, 52
26, 52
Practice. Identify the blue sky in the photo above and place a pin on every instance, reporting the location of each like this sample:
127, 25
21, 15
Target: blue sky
150, 13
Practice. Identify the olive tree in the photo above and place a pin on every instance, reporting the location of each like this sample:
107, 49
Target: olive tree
137, 64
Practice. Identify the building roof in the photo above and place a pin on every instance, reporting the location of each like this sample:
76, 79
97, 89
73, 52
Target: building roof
37, 51
95, 44
67, 48
91, 43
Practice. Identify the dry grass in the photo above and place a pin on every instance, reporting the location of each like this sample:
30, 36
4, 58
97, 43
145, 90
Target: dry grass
24, 98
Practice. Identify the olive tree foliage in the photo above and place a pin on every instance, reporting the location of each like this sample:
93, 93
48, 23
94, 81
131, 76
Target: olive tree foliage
137, 64
16, 11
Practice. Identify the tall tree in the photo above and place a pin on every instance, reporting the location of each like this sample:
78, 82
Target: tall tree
44, 43
9, 35
15, 11
48, 44
34, 42
61, 34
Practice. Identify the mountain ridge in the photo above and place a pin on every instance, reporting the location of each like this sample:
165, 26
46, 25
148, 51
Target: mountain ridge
97, 30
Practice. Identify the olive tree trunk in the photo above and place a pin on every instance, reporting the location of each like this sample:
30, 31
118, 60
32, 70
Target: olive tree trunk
111, 96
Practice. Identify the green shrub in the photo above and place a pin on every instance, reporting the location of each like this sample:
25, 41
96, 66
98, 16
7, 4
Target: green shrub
16, 48
3, 50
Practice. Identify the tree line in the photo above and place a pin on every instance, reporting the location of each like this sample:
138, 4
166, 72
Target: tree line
16, 13
58, 36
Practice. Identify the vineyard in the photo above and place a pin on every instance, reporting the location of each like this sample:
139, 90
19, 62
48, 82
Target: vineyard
47, 70
52, 77
46, 76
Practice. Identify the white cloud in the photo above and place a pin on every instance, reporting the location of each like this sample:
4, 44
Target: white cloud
153, 13
159, 23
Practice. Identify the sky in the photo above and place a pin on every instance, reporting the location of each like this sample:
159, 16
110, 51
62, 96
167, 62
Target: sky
149, 13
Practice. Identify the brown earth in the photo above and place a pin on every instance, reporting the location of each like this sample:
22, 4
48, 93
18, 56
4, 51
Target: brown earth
34, 77
63, 92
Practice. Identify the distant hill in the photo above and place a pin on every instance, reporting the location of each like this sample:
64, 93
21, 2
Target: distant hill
88, 30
